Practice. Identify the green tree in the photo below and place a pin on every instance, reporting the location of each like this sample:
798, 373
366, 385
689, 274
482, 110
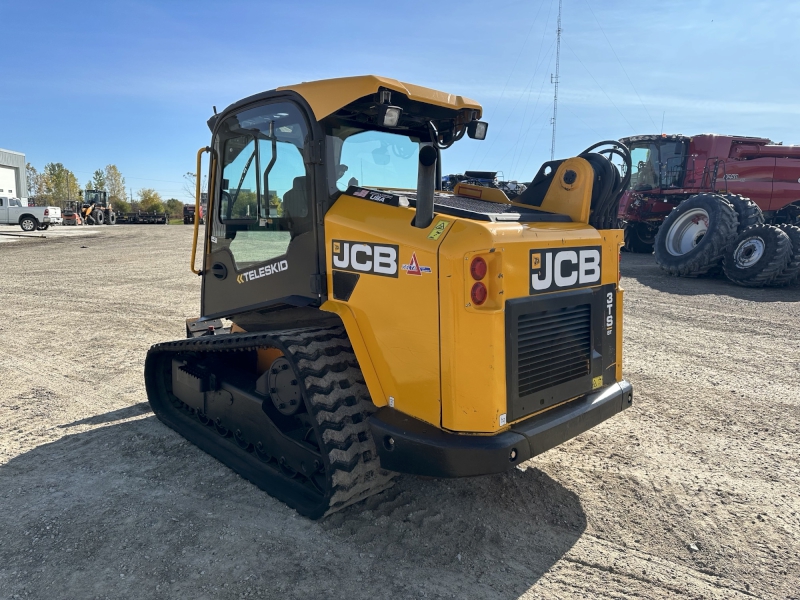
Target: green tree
120, 206
115, 186
35, 182
150, 200
59, 184
174, 207
99, 180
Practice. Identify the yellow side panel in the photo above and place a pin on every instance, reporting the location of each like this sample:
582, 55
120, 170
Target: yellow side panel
397, 316
574, 198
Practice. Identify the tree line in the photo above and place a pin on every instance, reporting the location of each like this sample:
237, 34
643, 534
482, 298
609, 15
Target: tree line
56, 185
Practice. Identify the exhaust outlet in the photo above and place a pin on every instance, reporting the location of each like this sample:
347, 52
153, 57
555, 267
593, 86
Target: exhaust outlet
426, 182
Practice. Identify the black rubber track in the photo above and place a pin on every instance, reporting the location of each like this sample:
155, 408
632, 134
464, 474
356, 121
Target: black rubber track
791, 274
709, 250
748, 211
777, 252
335, 396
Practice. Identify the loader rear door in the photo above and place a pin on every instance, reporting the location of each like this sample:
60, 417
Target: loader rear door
261, 249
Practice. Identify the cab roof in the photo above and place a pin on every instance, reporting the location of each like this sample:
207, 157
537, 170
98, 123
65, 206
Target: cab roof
326, 96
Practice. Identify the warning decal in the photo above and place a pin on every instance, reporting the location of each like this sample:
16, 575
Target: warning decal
413, 268
438, 230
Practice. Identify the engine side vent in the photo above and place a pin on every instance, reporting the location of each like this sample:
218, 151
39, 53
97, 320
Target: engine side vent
553, 347
558, 346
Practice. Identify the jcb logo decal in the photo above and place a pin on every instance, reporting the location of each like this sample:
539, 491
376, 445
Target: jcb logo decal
363, 257
564, 269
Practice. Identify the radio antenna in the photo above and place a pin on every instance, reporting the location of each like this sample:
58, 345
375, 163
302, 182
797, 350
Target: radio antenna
554, 80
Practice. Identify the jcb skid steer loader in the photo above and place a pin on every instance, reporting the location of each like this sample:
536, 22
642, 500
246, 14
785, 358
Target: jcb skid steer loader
380, 326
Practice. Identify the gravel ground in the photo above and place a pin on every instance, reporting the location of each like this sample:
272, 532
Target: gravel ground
692, 493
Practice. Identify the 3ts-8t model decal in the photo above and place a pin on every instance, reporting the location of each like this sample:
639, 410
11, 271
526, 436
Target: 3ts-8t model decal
364, 257
564, 269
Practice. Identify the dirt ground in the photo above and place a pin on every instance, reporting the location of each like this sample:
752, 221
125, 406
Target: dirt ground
692, 493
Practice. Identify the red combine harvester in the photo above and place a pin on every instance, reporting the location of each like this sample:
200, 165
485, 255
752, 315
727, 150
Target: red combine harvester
668, 169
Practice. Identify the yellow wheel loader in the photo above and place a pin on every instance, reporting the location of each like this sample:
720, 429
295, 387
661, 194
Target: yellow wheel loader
357, 322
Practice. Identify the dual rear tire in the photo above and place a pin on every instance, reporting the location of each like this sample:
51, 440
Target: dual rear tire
758, 256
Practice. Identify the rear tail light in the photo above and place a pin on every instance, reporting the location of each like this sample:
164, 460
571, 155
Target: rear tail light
479, 293
46, 212
478, 268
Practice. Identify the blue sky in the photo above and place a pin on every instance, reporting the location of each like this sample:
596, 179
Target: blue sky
132, 83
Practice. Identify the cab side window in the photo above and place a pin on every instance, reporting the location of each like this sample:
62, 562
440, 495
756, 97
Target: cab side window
263, 204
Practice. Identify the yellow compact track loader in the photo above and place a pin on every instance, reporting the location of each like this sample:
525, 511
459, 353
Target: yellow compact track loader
376, 325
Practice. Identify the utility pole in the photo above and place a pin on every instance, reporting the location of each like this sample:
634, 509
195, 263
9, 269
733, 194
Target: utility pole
554, 80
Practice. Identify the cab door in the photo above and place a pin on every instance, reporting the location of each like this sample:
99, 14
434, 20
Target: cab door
261, 246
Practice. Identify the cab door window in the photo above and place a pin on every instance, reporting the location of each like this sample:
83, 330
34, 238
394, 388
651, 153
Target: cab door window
263, 204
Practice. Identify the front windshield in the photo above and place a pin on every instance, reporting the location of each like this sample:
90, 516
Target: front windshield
370, 158
657, 165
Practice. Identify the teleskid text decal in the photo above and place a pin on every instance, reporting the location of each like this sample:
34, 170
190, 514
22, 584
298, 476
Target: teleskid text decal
564, 269
364, 257
264, 271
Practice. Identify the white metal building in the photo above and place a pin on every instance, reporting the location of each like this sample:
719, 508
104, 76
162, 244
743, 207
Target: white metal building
13, 183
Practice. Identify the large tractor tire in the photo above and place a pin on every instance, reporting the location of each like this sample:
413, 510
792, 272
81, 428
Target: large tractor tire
748, 211
791, 274
639, 238
693, 238
111, 218
98, 217
757, 256
28, 223
299, 430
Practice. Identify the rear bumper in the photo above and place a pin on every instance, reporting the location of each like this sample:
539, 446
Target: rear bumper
409, 445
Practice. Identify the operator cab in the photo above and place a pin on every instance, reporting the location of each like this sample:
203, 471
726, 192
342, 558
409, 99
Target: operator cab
658, 161
280, 164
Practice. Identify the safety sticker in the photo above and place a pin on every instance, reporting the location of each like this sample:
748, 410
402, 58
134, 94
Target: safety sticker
413, 267
438, 230
597, 382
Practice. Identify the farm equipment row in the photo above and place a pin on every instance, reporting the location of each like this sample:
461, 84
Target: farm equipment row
95, 209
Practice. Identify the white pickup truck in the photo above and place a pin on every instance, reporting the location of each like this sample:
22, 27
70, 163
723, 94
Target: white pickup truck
30, 218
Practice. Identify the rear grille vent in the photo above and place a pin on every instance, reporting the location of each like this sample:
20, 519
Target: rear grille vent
553, 347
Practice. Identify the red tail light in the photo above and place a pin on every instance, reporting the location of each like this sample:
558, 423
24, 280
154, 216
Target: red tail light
479, 294
46, 212
478, 269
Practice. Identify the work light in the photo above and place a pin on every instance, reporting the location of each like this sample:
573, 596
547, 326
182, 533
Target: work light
477, 130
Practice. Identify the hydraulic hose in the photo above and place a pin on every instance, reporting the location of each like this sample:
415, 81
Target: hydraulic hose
609, 182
